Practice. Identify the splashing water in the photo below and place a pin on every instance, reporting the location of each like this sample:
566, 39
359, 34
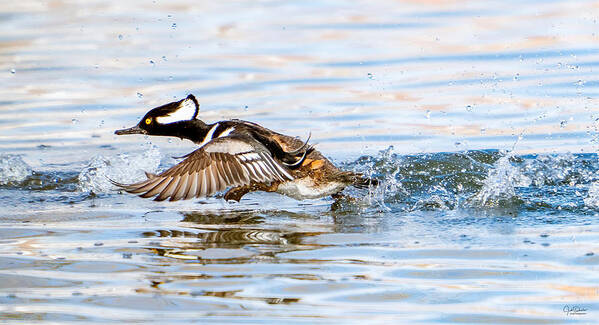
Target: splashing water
13, 169
481, 179
422, 182
123, 168
386, 166
501, 182
592, 199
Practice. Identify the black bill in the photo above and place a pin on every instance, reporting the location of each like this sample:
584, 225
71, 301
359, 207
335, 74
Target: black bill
134, 130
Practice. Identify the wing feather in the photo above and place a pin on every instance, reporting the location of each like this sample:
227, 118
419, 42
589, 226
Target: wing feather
271, 168
143, 186
169, 189
220, 174
250, 170
192, 189
207, 182
231, 173
258, 170
182, 188
204, 188
158, 188
219, 164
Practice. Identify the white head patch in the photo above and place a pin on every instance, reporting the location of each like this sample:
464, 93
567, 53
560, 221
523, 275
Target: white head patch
186, 111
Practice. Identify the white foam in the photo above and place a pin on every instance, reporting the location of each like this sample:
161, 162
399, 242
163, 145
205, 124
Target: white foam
592, 199
389, 187
13, 169
551, 169
122, 168
501, 182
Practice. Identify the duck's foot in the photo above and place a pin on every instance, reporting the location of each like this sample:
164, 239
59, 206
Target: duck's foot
341, 200
338, 196
347, 198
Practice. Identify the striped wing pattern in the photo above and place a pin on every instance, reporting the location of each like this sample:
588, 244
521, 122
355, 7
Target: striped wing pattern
221, 163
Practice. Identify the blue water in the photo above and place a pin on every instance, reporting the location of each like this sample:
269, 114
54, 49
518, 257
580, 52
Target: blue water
479, 120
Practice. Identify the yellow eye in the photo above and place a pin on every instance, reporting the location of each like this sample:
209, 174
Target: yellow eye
148, 120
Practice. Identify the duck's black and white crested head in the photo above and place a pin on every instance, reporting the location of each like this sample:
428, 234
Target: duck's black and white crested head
183, 110
173, 119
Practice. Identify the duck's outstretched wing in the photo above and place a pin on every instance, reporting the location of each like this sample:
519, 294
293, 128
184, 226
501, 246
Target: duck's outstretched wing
221, 163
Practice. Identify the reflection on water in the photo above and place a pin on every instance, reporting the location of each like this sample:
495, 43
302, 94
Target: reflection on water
480, 121
239, 263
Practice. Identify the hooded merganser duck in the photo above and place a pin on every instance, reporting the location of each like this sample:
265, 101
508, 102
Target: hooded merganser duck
238, 155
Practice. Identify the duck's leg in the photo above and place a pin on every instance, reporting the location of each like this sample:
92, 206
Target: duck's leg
236, 193
337, 204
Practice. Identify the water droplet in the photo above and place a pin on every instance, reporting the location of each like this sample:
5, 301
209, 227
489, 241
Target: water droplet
140, 95
483, 131
174, 26
469, 108
13, 71
370, 76
152, 62
580, 83
563, 124
245, 108
517, 77
164, 58
74, 121
428, 114
120, 37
